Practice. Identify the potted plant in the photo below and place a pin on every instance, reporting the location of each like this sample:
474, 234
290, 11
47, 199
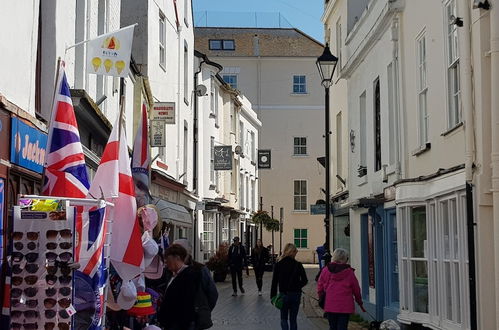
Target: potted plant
219, 263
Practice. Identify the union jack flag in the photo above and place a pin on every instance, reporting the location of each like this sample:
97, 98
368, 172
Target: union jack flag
65, 171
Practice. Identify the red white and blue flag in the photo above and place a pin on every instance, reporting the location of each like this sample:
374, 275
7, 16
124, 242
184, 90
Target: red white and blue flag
65, 170
113, 180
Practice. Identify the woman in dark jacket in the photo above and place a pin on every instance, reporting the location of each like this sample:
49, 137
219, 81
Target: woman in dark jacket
259, 257
290, 275
177, 309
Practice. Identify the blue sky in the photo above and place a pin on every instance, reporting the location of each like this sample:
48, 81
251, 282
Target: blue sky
302, 14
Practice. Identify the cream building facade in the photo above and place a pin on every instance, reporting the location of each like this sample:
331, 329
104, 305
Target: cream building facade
275, 69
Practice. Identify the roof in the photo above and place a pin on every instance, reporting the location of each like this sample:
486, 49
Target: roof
272, 42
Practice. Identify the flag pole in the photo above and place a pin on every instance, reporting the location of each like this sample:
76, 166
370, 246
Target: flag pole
49, 137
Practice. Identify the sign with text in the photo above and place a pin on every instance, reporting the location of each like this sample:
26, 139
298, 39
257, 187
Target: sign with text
264, 159
27, 146
164, 111
158, 133
223, 158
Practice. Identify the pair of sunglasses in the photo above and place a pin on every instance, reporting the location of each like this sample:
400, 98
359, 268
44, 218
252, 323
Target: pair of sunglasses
26, 326
52, 270
65, 233
30, 268
30, 257
29, 292
31, 303
64, 291
52, 279
50, 314
51, 302
30, 314
31, 246
63, 245
30, 280
64, 257
60, 326
31, 235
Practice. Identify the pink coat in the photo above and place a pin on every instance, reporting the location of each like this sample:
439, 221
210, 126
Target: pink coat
341, 286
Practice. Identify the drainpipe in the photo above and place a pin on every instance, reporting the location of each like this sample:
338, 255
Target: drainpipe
195, 130
179, 95
494, 108
464, 34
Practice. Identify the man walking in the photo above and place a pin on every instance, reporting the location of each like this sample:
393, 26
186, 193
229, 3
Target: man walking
237, 260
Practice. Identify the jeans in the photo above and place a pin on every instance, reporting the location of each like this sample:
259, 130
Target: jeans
290, 308
338, 321
239, 272
259, 277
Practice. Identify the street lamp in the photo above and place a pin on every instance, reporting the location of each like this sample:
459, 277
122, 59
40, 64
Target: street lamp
326, 63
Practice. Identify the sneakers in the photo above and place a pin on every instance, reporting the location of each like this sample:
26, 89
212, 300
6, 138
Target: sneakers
234, 294
242, 290
259, 293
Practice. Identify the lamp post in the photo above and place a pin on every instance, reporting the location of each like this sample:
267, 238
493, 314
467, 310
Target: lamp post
326, 63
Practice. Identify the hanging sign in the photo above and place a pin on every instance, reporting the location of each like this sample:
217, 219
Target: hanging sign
264, 159
222, 158
109, 54
27, 146
164, 111
158, 133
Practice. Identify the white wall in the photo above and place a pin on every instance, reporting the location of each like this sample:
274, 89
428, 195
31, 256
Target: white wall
18, 46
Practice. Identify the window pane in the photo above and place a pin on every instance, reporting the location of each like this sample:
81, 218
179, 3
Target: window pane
445, 220
215, 44
418, 231
228, 44
303, 187
297, 233
303, 141
420, 282
297, 151
304, 243
297, 243
296, 141
448, 292
457, 293
297, 187
304, 233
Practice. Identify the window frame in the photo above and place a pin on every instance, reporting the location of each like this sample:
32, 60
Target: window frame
454, 114
300, 195
227, 78
299, 84
305, 154
222, 44
422, 89
162, 46
301, 238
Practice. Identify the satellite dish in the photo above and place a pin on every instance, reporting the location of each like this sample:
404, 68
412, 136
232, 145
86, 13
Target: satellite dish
238, 150
201, 90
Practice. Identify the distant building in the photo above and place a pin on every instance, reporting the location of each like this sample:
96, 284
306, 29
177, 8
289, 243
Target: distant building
275, 69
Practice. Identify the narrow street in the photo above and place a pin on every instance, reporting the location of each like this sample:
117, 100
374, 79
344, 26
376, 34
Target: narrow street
250, 311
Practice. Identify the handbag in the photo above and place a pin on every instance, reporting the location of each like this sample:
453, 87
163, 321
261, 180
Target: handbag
278, 299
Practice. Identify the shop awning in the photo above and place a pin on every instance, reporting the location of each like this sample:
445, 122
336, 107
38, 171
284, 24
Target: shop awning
169, 211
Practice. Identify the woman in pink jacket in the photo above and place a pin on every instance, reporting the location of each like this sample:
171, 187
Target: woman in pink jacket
338, 282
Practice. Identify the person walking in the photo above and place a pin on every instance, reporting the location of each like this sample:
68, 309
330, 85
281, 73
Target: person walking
207, 283
338, 282
237, 260
259, 257
289, 277
177, 310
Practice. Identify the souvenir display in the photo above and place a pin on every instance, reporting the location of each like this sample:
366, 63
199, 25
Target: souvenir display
42, 256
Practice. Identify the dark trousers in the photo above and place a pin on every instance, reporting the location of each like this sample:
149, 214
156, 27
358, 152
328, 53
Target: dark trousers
239, 272
338, 321
259, 277
289, 310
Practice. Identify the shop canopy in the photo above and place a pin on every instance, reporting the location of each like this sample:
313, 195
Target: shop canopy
169, 211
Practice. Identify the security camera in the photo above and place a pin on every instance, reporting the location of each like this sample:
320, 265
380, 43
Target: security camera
483, 4
456, 21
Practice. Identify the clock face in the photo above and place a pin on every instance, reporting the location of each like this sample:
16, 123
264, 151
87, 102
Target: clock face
264, 159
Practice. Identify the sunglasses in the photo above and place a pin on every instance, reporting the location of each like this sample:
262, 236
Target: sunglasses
27, 326
65, 233
32, 303
63, 326
64, 257
51, 302
63, 314
52, 270
20, 245
31, 235
30, 257
27, 314
30, 292
63, 245
64, 291
50, 314
30, 280
64, 280
30, 268
60, 326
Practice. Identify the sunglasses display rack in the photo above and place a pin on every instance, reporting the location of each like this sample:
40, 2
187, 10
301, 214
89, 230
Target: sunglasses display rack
42, 283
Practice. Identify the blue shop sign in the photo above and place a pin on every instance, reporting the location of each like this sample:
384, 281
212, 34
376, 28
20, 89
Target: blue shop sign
27, 146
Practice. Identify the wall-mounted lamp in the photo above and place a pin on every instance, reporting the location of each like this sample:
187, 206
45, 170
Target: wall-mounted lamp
101, 99
458, 21
352, 140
